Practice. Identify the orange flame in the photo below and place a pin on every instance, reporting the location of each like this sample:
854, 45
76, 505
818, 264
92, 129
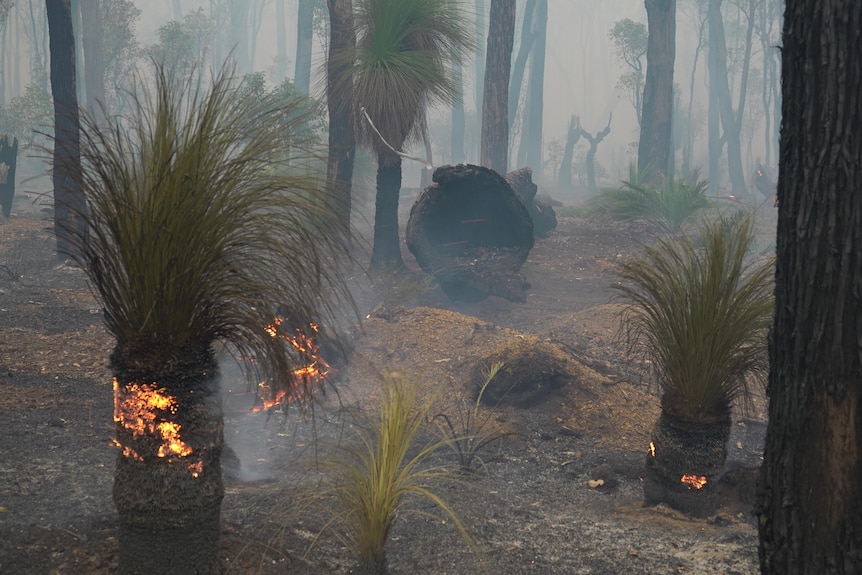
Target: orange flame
137, 410
651, 449
696, 481
314, 371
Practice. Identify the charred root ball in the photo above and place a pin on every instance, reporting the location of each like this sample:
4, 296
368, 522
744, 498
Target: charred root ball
470, 231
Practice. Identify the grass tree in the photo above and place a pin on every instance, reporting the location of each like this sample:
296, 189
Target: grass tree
402, 63
701, 308
199, 233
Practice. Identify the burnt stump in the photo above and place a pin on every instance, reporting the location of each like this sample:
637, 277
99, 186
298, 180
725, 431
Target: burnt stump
470, 231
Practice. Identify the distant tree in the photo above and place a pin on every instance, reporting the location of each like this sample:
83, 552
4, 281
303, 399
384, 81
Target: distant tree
531, 138
405, 50
573, 134
304, 36
5, 7
630, 41
655, 145
810, 501
340, 103
280, 39
594, 141
70, 205
457, 154
94, 64
519, 66
495, 109
185, 46
120, 51
479, 60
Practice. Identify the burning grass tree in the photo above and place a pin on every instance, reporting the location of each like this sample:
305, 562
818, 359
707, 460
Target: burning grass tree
701, 309
199, 232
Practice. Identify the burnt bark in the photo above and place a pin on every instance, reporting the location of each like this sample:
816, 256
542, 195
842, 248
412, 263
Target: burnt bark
495, 122
534, 105
342, 140
8, 162
541, 211
69, 202
516, 79
304, 36
564, 180
472, 233
654, 146
386, 247
168, 501
810, 487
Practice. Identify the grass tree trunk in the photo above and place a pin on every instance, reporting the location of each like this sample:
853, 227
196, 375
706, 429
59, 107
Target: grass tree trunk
168, 484
342, 139
386, 250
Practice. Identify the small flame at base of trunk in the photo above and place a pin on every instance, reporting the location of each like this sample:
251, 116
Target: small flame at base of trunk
696, 481
141, 409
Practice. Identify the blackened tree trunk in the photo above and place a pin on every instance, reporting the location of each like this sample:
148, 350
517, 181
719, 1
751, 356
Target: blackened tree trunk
8, 163
809, 492
168, 484
591, 153
654, 146
304, 36
386, 248
342, 140
479, 75
495, 122
564, 180
69, 201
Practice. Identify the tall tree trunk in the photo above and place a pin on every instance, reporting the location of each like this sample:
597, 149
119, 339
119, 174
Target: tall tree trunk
564, 180
811, 480
69, 202
458, 128
168, 485
591, 154
534, 110
730, 127
654, 146
239, 34
94, 67
479, 73
386, 247
342, 141
525, 45
495, 124
280, 40
304, 36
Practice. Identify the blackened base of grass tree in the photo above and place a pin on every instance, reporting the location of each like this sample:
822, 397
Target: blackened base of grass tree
700, 307
200, 233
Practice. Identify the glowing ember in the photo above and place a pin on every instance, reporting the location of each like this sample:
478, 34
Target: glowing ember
314, 371
696, 481
651, 449
137, 408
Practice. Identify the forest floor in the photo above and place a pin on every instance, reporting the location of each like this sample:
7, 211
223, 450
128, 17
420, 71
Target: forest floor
534, 508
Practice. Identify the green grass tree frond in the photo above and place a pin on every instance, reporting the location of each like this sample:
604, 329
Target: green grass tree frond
370, 477
669, 205
200, 227
701, 308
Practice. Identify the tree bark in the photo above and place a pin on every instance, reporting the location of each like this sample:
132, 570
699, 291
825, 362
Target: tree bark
8, 163
810, 489
495, 124
304, 36
654, 146
458, 119
564, 180
479, 72
69, 202
342, 140
386, 247
520, 64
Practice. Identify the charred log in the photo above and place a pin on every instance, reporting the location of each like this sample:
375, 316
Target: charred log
539, 207
470, 231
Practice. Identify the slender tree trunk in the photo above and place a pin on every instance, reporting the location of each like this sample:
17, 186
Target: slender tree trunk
239, 34
811, 480
495, 124
534, 111
69, 202
520, 65
591, 154
304, 37
721, 88
94, 67
342, 141
458, 119
479, 72
564, 180
654, 146
168, 485
280, 40
386, 248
